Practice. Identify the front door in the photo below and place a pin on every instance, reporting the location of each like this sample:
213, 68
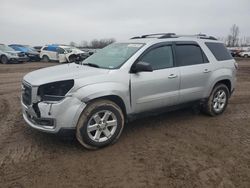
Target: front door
61, 55
160, 88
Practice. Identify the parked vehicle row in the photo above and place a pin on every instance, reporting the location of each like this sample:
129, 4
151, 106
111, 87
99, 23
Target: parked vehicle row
15, 53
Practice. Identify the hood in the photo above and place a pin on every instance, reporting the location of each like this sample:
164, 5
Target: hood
13, 52
62, 72
32, 52
78, 51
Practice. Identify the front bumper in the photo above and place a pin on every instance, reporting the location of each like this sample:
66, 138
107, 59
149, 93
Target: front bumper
54, 117
32, 57
18, 59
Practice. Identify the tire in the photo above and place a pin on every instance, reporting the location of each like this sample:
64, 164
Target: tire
217, 101
245, 56
93, 131
72, 58
45, 58
4, 59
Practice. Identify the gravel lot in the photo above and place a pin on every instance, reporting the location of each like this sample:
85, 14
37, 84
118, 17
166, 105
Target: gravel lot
176, 149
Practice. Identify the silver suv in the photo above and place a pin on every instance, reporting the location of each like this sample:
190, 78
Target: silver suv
150, 73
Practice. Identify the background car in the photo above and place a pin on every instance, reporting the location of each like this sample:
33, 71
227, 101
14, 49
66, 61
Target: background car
245, 54
9, 55
62, 53
32, 54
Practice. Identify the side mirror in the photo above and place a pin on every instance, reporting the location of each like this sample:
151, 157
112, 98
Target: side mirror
141, 67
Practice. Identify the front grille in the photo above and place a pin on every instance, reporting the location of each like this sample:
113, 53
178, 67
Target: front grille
26, 94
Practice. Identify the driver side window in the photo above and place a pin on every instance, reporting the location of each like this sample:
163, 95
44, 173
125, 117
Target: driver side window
159, 58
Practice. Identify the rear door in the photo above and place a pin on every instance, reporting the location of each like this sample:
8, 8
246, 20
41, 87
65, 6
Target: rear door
195, 70
150, 90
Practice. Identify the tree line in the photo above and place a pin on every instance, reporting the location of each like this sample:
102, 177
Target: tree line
95, 44
233, 39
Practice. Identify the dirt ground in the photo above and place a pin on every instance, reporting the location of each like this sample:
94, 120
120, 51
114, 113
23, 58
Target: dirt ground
176, 149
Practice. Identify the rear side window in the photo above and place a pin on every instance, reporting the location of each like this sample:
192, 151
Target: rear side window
189, 54
159, 58
45, 48
219, 51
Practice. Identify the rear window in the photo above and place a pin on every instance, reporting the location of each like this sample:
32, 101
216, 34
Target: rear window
219, 51
189, 54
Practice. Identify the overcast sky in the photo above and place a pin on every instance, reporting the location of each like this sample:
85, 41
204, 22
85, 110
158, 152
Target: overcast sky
62, 21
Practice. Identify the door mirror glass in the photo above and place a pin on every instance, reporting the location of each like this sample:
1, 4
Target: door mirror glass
141, 67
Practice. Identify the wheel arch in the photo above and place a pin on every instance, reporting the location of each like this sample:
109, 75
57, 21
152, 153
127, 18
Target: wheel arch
226, 82
114, 98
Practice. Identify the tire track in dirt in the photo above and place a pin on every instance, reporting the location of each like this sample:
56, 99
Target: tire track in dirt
176, 149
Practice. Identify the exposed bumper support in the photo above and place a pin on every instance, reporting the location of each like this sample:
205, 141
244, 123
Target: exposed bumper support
54, 116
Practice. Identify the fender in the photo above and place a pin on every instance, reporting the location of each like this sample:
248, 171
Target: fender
98, 90
216, 77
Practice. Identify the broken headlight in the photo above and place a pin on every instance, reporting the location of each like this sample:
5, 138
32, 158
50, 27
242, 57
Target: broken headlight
55, 91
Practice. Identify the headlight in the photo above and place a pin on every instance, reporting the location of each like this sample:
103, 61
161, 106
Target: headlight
12, 54
55, 91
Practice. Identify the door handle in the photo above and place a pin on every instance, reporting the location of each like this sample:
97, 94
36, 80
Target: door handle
206, 71
172, 76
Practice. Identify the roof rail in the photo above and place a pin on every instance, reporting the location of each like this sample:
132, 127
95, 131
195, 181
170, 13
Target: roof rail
154, 35
173, 35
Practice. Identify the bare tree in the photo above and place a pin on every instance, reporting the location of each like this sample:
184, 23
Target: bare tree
233, 37
72, 44
83, 44
101, 43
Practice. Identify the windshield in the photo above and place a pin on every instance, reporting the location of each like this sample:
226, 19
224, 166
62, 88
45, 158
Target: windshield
30, 49
6, 48
68, 50
114, 55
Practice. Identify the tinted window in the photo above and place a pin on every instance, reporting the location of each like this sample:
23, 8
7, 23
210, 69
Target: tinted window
219, 51
189, 54
159, 58
45, 48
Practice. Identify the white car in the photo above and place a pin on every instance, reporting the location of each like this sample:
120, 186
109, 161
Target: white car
61, 53
245, 54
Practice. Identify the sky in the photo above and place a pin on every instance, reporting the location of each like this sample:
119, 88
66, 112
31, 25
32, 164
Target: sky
36, 22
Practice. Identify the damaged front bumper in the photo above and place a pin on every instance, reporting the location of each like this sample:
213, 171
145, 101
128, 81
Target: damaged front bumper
53, 117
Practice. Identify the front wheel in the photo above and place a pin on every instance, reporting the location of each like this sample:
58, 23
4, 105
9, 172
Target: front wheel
4, 59
217, 101
245, 56
100, 124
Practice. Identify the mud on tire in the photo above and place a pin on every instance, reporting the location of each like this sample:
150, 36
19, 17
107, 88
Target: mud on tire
209, 108
94, 116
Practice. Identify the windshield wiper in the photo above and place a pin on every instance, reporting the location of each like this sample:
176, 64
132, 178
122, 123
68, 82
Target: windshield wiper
91, 65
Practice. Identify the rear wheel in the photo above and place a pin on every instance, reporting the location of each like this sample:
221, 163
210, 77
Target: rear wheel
245, 56
100, 124
217, 101
45, 58
4, 59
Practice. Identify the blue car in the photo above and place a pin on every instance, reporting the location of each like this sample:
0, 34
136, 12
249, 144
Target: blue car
32, 54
